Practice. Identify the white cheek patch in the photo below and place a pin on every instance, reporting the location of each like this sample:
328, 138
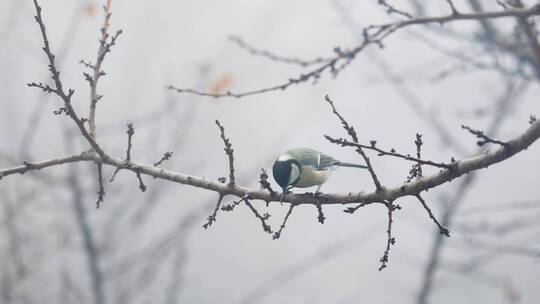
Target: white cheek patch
284, 157
295, 174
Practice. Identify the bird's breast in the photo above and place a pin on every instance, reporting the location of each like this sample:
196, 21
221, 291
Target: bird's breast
311, 177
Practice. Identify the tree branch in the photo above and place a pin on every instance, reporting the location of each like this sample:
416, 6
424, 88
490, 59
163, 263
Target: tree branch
97, 72
229, 151
58, 89
459, 168
373, 34
390, 240
352, 133
345, 143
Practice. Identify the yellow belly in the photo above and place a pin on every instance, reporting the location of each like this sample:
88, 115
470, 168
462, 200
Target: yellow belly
311, 177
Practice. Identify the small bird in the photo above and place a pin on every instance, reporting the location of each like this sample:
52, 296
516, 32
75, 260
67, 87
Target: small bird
305, 167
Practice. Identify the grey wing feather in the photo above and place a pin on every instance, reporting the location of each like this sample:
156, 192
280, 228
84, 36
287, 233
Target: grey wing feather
306, 156
326, 161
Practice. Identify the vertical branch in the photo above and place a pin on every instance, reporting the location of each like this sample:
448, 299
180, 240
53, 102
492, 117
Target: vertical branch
390, 240
130, 133
97, 72
142, 186
532, 36
263, 181
91, 248
229, 151
101, 191
452, 7
13, 267
419, 143
320, 216
454, 204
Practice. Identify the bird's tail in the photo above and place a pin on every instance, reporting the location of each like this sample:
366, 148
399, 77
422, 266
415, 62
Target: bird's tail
342, 164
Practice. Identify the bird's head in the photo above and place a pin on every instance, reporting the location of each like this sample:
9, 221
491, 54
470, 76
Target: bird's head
286, 172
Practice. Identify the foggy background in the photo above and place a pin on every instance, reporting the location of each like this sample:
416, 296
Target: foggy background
150, 247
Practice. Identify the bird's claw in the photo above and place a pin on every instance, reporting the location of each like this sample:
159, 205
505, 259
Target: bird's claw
316, 194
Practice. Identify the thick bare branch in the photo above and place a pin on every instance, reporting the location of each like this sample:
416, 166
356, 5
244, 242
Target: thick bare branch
459, 168
32, 166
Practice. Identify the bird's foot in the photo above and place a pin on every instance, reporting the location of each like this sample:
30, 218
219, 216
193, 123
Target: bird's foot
316, 194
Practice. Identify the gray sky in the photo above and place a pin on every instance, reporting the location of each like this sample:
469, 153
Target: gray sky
184, 43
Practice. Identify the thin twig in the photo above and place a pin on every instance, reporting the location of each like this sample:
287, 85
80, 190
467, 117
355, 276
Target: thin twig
262, 218
104, 47
212, 218
263, 181
278, 233
390, 240
352, 210
391, 9
418, 142
443, 230
345, 143
58, 89
101, 191
452, 7
273, 57
130, 131
229, 151
166, 156
374, 34
483, 138
320, 216
142, 186
352, 133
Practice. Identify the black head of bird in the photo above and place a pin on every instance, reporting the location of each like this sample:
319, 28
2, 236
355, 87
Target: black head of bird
286, 172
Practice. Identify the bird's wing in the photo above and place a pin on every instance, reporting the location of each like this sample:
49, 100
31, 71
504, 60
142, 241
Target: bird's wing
326, 161
305, 156
313, 158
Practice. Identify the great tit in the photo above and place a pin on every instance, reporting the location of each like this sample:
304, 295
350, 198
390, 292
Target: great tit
305, 167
